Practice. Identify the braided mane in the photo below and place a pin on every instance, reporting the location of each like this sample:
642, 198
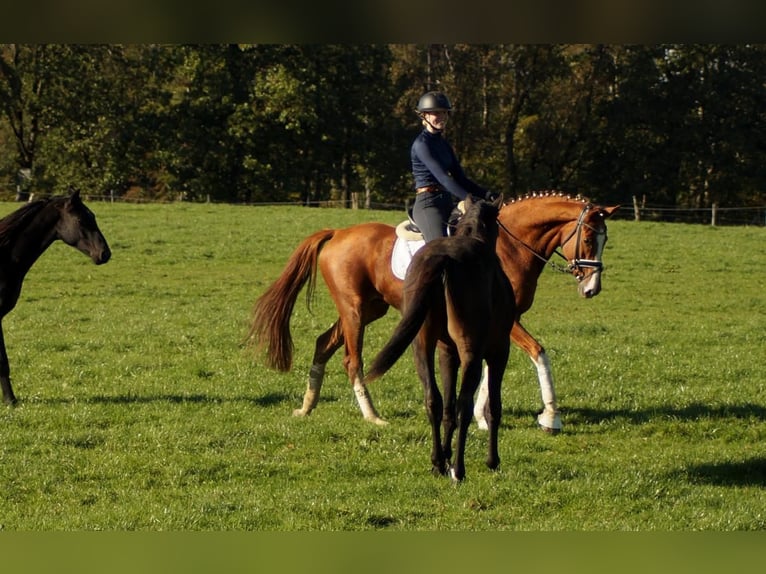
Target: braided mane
548, 193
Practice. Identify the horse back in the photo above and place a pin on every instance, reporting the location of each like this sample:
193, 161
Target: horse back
357, 260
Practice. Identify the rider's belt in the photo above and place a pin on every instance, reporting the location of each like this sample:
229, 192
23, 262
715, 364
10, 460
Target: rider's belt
430, 189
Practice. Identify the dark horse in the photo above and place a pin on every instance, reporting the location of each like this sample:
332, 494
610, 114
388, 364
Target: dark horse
355, 263
457, 298
24, 235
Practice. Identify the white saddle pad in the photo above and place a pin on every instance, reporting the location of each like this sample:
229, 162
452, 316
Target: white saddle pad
402, 254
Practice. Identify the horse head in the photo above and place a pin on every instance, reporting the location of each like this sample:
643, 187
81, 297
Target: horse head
77, 227
584, 246
479, 219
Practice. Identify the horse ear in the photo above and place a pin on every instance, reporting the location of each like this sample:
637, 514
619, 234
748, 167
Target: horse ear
498, 201
73, 200
468, 202
610, 210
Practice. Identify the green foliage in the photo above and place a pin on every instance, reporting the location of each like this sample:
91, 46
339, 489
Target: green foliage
140, 410
673, 124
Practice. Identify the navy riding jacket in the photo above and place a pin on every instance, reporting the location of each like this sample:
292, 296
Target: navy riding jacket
434, 163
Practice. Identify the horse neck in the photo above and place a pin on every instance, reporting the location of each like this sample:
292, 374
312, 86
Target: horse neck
539, 224
531, 230
34, 235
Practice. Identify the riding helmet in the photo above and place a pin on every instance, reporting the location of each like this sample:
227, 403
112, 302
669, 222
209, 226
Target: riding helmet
433, 102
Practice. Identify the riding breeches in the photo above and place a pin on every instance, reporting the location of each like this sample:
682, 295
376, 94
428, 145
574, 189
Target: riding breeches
431, 212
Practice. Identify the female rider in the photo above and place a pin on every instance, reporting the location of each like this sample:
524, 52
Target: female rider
436, 170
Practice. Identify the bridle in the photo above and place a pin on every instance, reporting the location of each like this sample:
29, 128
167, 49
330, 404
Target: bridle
577, 264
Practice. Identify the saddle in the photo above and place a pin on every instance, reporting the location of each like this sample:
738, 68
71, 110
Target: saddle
409, 239
409, 231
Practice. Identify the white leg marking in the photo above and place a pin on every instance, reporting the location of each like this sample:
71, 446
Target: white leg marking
549, 419
481, 399
365, 404
311, 396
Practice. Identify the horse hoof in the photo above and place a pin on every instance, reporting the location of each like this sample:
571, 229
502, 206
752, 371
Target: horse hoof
379, 421
550, 423
482, 423
549, 430
300, 413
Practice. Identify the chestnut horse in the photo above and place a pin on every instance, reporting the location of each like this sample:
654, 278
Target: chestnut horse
355, 263
456, 297
24, 235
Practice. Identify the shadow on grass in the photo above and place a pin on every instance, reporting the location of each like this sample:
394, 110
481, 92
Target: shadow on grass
750, 472
571, 416
691, 412
268, 400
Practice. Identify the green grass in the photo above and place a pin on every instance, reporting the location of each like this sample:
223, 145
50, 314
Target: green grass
140, 410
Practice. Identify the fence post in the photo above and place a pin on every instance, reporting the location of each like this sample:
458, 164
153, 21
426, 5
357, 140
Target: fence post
713, 214
636, 210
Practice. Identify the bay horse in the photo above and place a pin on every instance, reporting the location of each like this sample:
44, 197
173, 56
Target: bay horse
355, 263
456, 297
24, 235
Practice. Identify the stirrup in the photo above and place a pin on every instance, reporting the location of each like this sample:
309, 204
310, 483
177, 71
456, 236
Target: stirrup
408, 229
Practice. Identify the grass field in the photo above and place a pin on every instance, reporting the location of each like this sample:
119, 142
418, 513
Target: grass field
140, 410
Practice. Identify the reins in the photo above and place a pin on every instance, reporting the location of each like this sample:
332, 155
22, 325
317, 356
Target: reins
576, 263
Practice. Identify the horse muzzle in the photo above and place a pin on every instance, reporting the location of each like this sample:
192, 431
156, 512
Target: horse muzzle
102, 256
589, 283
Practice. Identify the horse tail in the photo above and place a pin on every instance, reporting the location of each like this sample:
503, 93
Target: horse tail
419, 297
270, 326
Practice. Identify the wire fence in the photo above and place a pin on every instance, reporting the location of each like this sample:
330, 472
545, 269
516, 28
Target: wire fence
713, 215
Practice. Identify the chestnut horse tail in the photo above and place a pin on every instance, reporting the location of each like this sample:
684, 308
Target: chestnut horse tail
419, 296
270, 328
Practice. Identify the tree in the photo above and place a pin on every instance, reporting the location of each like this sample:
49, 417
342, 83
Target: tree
674, 124
26, 79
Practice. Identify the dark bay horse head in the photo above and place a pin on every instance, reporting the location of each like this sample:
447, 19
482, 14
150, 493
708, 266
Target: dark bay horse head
77, 227
479, 219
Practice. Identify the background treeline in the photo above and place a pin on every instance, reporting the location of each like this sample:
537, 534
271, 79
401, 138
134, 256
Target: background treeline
673, 125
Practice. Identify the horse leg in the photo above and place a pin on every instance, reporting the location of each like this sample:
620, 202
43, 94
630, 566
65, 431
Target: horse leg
448, 369
495, 410
424, 365
5, 373
354, 336
549, 419
471, 376
353, 320
449, 362
326, 345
